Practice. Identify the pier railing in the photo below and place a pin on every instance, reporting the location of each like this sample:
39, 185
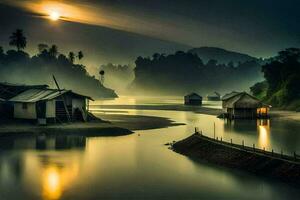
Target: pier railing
293, 157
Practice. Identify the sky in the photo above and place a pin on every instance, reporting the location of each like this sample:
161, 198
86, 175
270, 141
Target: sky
118, 31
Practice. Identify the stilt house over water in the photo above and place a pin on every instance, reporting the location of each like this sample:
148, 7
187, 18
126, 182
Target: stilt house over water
241, 105
193, 99
213, 97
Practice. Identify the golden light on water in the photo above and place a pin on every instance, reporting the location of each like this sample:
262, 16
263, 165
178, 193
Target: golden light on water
56, 179
264, 133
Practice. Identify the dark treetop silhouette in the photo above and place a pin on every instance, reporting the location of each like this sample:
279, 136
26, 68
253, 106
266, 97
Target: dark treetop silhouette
182, 72
281, 87
19, 67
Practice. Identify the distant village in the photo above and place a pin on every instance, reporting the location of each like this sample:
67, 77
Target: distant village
42, 105
235, 105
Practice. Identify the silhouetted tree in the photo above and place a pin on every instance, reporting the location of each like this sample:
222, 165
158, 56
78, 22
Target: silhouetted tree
53, 51
80, 55
71, 57
19, 67
156, 56
42, 47
18, 39
282, 76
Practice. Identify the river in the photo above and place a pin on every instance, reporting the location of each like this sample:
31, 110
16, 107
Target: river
139, 166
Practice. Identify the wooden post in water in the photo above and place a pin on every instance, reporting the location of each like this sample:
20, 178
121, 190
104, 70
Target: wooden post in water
243, 143
281, 153
295, 156
231, 141
272, 152
253, 147
214, 130
221, 139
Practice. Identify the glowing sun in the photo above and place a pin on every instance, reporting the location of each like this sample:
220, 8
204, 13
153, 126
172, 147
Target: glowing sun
54, 16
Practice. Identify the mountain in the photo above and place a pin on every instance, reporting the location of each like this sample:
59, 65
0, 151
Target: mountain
221, 55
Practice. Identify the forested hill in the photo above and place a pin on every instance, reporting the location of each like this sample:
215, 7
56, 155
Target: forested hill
221, 55
281, 87
19, 67
185, 72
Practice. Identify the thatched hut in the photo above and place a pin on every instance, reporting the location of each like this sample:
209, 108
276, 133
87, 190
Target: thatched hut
241, 105
193, 99
213, 97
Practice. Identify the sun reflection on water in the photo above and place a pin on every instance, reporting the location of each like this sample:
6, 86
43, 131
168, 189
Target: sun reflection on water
55, 179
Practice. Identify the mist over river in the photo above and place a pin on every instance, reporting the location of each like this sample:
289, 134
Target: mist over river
140, 166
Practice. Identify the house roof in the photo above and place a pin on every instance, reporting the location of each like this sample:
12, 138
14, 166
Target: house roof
193, 95
215, 94
243, 100
9, 90
230, 95
35, 95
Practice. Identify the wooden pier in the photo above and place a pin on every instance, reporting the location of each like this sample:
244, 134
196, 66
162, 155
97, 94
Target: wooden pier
241, 157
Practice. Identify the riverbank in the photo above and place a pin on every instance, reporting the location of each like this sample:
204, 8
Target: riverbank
274, 113
179, 107
77, 128
109, 125
199, 147
138, 122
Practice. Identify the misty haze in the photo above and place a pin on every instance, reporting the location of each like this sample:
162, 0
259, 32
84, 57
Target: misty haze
111, 99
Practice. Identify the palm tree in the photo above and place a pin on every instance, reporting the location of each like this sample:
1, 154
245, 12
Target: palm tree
53, 51
71, 57
42, 47
18, 39
80, 55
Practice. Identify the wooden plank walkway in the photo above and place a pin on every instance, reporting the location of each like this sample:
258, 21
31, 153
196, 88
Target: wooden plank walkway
295, 158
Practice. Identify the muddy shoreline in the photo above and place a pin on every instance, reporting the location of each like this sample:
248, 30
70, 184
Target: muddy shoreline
109, 125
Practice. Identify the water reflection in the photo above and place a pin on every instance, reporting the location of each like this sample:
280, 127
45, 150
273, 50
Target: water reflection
248, 128
264, 132
56, 178
43, 142
139, 166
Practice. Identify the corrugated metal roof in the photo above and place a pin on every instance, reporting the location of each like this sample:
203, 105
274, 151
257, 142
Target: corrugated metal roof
9, 90
35, 95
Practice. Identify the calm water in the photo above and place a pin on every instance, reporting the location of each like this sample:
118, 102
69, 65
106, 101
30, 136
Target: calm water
139, 166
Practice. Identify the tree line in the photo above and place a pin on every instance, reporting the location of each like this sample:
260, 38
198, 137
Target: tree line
17, 66
183, 72
281, 87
